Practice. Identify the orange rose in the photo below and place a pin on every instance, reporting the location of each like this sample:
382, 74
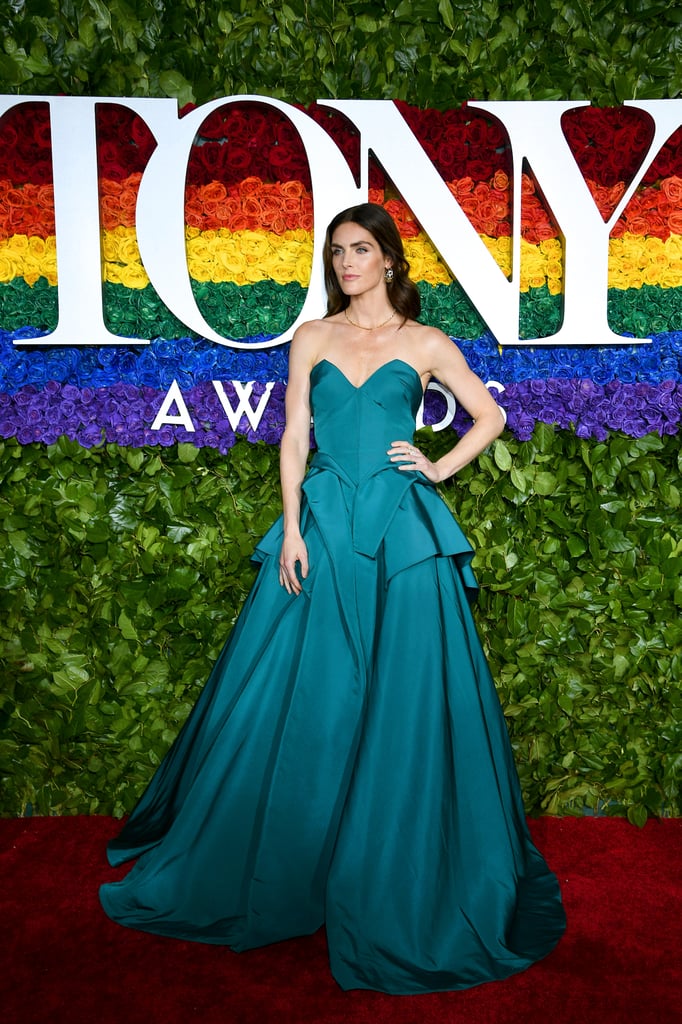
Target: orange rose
239, 222
292, 189
278, 224
271, 203
601, 197
648, 198
194, 213
128, 204
461, 187
227, 209
107, 187
214, 192
636, 225
672, 189
616, 193
251, 206
500, 181
109, 212
656, 226
675, 222
527, 185
249, 185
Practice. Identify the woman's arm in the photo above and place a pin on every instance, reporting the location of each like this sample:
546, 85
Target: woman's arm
294, 451
448, 365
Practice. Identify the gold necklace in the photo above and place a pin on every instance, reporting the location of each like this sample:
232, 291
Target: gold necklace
375, 327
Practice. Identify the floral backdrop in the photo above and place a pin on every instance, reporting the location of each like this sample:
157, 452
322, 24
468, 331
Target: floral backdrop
248, 213
124, 563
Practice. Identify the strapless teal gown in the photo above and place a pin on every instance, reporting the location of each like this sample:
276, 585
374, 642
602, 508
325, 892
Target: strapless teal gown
347, 763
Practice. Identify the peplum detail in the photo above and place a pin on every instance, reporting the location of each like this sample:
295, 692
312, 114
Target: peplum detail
400, 510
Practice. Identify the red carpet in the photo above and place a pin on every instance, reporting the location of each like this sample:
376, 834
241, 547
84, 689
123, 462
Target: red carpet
64, 962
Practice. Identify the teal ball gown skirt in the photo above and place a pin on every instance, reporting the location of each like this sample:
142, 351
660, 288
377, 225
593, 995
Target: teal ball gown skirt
348, 763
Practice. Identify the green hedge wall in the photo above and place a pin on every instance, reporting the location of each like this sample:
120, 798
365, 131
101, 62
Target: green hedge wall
121, 571
429, 52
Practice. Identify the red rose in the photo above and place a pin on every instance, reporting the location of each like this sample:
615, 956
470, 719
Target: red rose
476, 129
214, 127
481, 170
446, 159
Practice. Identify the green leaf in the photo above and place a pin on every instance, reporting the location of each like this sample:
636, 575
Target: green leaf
544, 482
576, 545
126, 626
502, 456
174, 84
187, 452
637, 815
446, 13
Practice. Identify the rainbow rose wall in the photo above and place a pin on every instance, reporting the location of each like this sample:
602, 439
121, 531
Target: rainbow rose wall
137, 475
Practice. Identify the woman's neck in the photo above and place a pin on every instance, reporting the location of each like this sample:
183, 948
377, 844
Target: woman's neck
369, 312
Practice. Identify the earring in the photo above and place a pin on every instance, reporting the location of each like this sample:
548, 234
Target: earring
388, 276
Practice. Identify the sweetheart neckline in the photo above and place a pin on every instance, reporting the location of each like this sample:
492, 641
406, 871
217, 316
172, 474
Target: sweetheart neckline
359, 387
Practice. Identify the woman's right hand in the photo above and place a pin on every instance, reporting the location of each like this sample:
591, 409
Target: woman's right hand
294, 551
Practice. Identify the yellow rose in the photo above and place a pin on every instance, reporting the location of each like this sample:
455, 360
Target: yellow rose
650, 274
251, 275
537, 281
303, 268
230, 261
134, 276
671, 277
199, 270
128, 249
17, 244
7, 266
551, 247
111, 272
199, 249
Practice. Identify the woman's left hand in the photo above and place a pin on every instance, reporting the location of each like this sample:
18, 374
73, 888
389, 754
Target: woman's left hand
411, 458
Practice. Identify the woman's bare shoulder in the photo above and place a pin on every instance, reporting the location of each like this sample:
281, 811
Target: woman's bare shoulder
430, 339
315, 329
314, 335
310, 341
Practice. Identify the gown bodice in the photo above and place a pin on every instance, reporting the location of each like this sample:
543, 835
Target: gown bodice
355, 426
359, 498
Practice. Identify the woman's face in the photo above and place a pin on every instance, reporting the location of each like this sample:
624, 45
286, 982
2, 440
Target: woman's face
357, 259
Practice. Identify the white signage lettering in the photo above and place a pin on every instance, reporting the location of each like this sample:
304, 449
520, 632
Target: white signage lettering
244, 407
535, 135
450, 407
254, 416
164, 416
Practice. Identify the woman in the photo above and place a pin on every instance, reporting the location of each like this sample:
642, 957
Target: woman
348, 761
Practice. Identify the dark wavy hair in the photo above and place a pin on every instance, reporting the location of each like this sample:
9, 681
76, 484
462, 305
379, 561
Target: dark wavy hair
402, 292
